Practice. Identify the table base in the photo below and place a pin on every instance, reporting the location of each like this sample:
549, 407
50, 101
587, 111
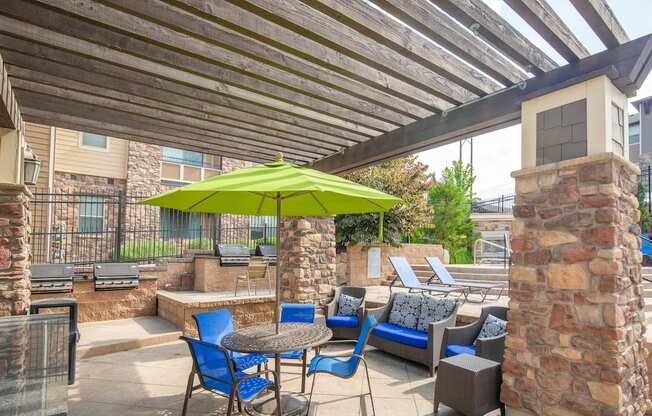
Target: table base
291, 405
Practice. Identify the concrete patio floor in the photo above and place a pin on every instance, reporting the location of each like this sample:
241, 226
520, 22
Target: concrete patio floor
151, 381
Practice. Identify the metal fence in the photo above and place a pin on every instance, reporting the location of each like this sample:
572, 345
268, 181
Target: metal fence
504, 204
645, 178
84, 227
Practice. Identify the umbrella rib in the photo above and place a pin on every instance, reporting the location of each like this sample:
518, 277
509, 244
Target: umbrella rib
260, 206
372, 202
295, 194
202, 200
312, 194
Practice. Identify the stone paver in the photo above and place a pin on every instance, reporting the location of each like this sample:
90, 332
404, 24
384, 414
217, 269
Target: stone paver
151, 381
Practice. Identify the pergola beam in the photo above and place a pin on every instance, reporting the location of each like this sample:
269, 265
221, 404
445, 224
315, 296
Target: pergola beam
10, 117
601, 19
539, 15
83, 69
202, 29
387, 31
626, 65
293, 43
477, 16
327, 31
439, 27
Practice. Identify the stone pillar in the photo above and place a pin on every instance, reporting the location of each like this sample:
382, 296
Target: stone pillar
576, 343
143, 180
307, 259
15, 233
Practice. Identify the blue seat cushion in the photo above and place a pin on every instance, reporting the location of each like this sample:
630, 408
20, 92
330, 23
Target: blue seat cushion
289, 355
405, 336
453, 350
342, 322
248, 388
245, 361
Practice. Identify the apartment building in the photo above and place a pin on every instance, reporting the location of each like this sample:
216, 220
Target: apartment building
85, 202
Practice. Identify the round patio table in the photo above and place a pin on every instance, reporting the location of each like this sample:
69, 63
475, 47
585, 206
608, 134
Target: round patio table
264, 339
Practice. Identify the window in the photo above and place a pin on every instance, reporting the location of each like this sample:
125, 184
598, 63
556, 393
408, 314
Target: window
634, 134
617, 130
91, 214
213, 162
183, 157
94, 140
179, 224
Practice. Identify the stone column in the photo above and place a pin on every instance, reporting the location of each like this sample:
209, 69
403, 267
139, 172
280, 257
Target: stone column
15, 234
576, 343
307, 259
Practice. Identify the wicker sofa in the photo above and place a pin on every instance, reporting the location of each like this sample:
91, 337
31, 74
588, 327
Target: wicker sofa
345, 327
463, 339
408, 343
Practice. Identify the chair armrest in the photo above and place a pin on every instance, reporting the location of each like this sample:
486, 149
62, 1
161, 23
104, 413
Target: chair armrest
436, 331
463, 335
361, 315
330, 309
491, 348
379, 313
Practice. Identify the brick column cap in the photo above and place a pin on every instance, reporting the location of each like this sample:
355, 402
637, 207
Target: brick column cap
15, 188
573, 163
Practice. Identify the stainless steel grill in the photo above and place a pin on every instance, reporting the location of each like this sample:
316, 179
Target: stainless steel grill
233, 255
52, 278
268, 252
114, 276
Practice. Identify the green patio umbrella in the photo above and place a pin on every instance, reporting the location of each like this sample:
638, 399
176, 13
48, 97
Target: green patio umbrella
278, 188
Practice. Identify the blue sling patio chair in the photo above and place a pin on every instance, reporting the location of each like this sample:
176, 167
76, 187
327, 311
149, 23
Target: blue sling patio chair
217, 374
297, 313
213, 326
338, 366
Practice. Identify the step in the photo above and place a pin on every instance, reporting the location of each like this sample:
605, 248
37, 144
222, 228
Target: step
484, 277
107, 337
479, 269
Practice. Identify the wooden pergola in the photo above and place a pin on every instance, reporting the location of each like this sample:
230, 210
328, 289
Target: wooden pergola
334, 83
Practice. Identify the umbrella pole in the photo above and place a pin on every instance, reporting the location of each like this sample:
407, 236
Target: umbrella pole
278, 262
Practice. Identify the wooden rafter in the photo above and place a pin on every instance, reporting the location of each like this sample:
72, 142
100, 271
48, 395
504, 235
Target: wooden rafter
439, 27
76, 68
601, 19
539, 15
327, 31
386, 30
496, 31
10, 115
324, 81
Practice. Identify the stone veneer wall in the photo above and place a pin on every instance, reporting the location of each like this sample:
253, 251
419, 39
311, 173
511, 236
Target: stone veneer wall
211, 277
356, 257
246, 311
307, 259
576, 327
143, 179
15, 252
109, 304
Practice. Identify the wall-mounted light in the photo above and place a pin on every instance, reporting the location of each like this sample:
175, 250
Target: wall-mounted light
31, 166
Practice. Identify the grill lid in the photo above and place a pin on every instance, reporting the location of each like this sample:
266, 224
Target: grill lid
232, 250
52, 271
266, 250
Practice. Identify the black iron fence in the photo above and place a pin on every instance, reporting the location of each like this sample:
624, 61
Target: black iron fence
84, 227
645, 179
504, 204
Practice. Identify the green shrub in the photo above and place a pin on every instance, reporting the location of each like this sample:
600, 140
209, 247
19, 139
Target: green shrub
461, 256
139, 249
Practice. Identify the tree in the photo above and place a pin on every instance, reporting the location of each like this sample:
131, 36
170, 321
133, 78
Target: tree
405, 178
450, 202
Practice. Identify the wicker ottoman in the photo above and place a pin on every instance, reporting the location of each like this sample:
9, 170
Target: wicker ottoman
469, 384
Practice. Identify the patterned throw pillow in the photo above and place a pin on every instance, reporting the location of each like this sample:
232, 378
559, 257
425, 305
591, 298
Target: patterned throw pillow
492, 327
348, 305
434, 310
405, 310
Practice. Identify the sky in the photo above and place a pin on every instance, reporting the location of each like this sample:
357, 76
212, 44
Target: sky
497, 154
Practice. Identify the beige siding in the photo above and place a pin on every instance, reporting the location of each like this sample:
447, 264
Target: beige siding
38, 137
72, 158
